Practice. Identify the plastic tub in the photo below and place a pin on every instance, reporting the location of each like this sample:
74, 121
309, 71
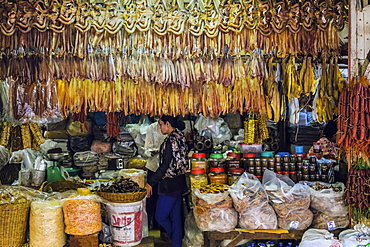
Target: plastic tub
254, 148
299, 149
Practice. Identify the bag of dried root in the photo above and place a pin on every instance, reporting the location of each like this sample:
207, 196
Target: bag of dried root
46, 224
297, 220
328, 198
323, 221
213, 209
358, 236
251, 201
319, 238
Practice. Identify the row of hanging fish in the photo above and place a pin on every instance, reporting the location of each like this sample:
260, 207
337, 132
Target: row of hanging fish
257, 84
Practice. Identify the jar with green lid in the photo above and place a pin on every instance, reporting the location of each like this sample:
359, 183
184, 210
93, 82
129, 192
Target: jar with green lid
198, 178
234, 174
216, 161
217, 175
199, 161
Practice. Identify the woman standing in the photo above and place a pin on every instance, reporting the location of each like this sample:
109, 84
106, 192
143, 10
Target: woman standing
170, 176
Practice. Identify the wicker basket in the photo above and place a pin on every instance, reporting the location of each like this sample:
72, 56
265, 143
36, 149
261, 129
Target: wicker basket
13, 222
122, 197
61, 186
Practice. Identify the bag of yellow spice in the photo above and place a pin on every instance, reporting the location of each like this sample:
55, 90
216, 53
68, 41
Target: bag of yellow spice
198, 178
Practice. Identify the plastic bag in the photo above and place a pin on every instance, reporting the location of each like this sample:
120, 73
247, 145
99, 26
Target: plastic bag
319, 238
251, 201
358, 236
80, 143
193, 235
77, 128
214, 212
127, 149
101, 147
218, 128
285, 198
328, 201
136, 175
322, 221
4, 156
297, 220
100, 133
46, 224
82, 214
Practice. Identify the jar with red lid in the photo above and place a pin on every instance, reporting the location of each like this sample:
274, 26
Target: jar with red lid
217, 175
198, 178
233, 160
199, 161
234, 174
246, 160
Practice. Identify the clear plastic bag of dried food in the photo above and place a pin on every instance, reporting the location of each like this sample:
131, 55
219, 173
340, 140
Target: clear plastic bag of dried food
285, 196
46, 224
258, 218
358, 236
214, 211
82, 213
328, 198
322, 221
193, 235
319, 238
248, 192
296, 220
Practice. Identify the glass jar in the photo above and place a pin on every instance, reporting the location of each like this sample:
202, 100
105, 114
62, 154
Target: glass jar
278, 158
198, 178
233, 160
257, 162
293, 158
217, 175
316, 147
305, 170
234, 174
313, 177
258, 172
199, 161
216, 160
299, 158
286, 167
246, 160
306, 177
299, 176
313, 159
278, 168
271, 164
312, 169
292, 167
299, 166
286, 159
252, 170
264, 162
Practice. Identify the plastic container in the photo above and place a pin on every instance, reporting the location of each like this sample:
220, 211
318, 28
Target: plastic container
126, 222
199, 161
247, 160
267, 154
198, 178
217, 176
299, 149
254, 148
216, 161
234, 174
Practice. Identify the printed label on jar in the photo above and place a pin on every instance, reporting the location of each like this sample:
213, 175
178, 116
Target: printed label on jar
294, 225
331, 225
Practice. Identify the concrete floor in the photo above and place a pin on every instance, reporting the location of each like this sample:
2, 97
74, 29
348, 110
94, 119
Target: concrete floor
158, 242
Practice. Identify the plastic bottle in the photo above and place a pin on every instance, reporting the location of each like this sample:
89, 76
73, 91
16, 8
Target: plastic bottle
198, 161
198, 178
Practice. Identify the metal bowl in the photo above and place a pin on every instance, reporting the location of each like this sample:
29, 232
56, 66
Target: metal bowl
55, 156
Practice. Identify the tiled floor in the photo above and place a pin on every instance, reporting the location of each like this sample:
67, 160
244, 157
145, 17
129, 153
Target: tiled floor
158, 242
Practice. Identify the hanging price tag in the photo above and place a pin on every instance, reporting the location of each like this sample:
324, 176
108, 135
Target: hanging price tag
294, 225
331, 225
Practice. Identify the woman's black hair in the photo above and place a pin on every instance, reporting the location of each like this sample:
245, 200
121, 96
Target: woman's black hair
175, 122
330, 129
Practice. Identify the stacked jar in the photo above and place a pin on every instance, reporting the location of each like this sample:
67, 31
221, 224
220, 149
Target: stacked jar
247, 162
217, 175
198, 178
232, 160
216, 160
234, 174
198, 161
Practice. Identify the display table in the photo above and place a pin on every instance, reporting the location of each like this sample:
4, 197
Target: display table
212, 239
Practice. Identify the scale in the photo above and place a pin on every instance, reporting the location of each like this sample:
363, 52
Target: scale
54, 173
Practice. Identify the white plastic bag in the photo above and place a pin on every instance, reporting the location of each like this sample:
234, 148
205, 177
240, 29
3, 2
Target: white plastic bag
358, 236
193, 235
319, 238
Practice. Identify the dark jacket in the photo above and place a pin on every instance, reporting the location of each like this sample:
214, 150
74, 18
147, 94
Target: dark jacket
178, 182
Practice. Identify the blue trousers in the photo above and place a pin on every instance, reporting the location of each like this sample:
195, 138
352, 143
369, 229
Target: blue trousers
168, 215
